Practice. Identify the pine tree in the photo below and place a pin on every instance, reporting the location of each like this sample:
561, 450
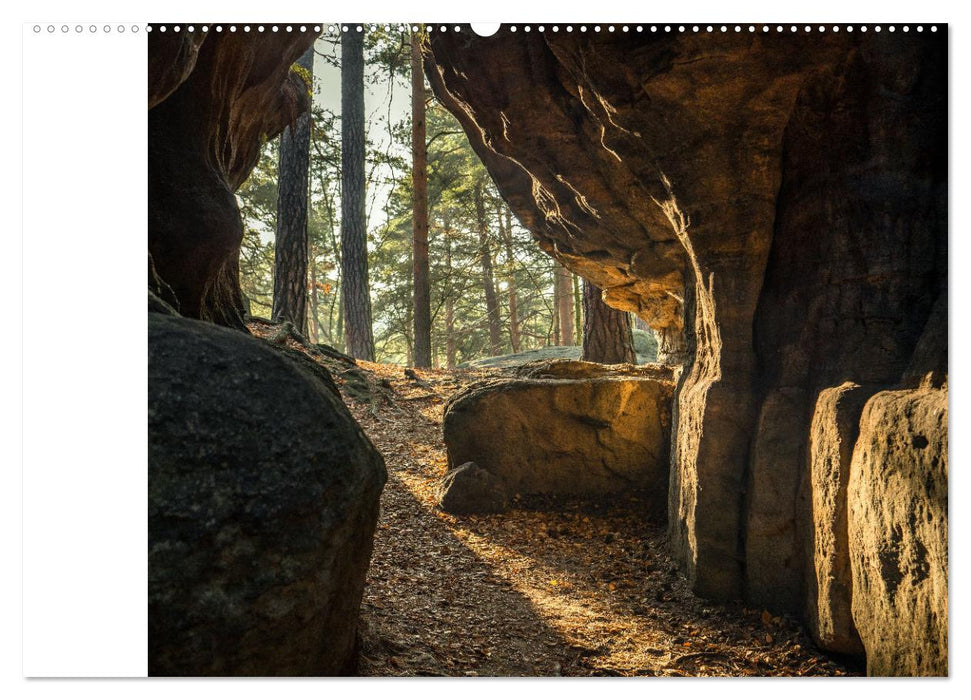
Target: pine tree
488, 279
419, 177
607, 334
563, 283
355, 289
290, 261
505, 230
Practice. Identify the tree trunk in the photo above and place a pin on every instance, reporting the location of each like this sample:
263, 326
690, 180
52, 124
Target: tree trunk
606, 332
419, 180
355, 293
506, 231
312, 306
290, 278
488, 280
564, 304
450, 345
577, 309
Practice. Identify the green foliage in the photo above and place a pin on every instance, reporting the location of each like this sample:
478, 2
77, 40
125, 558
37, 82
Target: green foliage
456, 277
257, 203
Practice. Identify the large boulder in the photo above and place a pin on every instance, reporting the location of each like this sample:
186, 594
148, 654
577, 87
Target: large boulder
262, 504
897, 530
566, 428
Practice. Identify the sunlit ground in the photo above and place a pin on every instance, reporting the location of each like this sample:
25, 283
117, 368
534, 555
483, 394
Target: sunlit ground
584, 590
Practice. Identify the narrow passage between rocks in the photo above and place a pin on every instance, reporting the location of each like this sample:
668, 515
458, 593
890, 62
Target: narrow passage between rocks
582, 590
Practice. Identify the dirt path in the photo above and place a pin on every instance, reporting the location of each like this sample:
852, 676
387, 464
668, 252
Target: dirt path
588, 590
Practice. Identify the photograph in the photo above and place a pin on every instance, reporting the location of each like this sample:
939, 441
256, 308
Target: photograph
547, 350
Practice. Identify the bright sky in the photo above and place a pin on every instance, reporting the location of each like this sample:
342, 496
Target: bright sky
327, 86
327, 79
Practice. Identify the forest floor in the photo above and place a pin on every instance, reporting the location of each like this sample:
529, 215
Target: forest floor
583, 590
565, 589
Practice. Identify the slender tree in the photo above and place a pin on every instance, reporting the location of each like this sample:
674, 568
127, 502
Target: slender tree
564, 304
578, 308
488, 279
448, 291
290, 262
451, 348
419, 180
312, 302
355, 290
607, 335
505, 228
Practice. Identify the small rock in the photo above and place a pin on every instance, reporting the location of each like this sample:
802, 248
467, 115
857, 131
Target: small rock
471, 489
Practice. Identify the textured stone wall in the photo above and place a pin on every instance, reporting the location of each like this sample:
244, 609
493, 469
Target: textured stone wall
779, 201
898, 533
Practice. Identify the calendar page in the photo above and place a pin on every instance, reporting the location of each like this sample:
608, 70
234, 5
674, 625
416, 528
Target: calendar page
556, 349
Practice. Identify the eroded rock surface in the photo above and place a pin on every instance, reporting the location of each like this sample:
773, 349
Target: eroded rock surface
567, 428
898, 532
833, 434
214, 99
858, 257
773, 205
651, 165
263, 499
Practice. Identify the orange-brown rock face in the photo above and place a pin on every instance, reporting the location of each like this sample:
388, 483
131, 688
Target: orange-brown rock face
835, 427
779, 198
651, 166
566, 428
898, 532
213, 101
859, 255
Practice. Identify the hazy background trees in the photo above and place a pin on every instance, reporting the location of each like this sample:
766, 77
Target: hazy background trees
485, 286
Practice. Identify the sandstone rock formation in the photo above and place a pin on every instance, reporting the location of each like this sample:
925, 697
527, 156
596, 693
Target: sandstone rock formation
263, 499
773, 204
859, 251
214, 98
566, 428
835, 426
172, 57
471, 489
898, 532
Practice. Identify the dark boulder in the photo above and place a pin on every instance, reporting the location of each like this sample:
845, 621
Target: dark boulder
263, 499
471, 489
